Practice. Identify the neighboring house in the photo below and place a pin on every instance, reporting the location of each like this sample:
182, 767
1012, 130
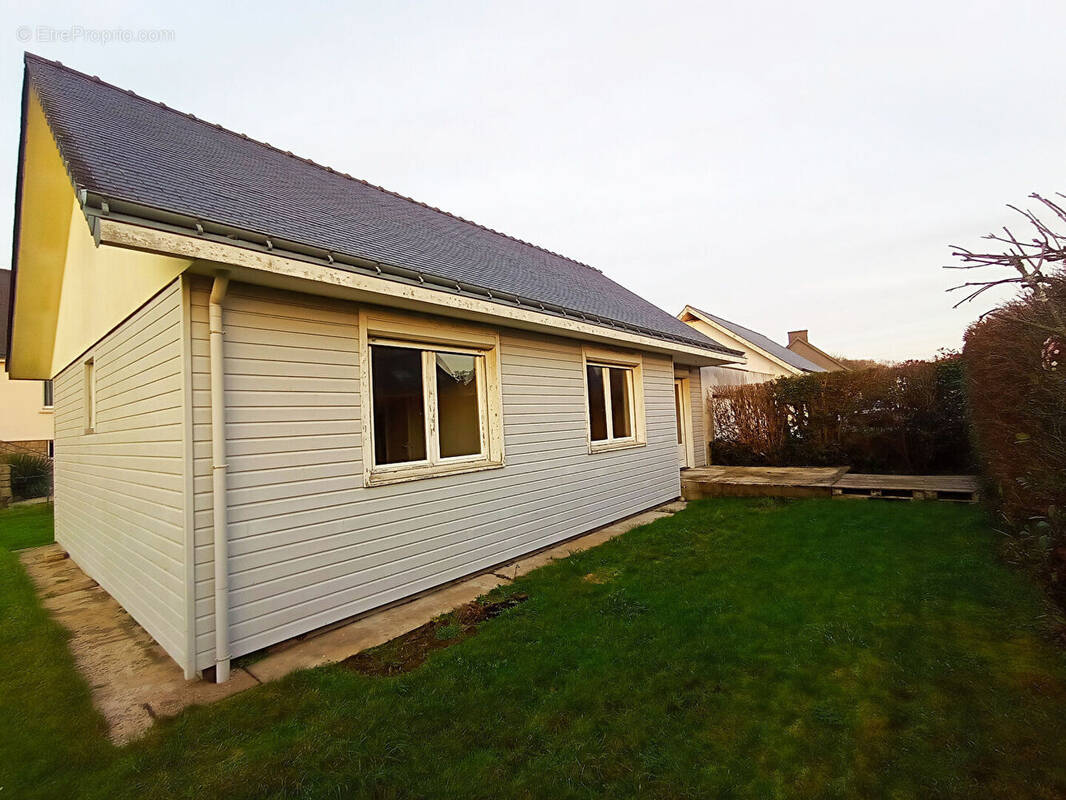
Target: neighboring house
799, 344
285, 396
25, 406
765, 359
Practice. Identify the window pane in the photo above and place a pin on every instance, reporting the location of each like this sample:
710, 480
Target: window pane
399, 412
621, 415
459, 430
597, 404
48, 393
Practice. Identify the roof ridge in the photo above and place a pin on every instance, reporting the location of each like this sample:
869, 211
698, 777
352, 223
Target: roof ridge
28, 56
732, 328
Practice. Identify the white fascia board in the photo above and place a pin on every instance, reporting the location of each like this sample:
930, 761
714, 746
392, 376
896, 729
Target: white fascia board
734, 335
272, 269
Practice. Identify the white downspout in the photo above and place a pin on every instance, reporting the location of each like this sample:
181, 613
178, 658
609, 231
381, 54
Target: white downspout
218, 476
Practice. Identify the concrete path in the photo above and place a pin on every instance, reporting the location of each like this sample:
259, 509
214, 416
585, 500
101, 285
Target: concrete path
132, 678
134, 681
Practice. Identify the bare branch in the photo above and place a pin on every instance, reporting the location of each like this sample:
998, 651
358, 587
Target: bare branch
1029, 257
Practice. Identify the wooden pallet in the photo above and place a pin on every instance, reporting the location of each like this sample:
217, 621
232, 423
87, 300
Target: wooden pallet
956, 488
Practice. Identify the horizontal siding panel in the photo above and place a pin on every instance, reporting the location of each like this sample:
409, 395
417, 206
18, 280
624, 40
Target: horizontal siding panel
119, 491
291, 386
269, 338
269, 399
361, 550
282, 353
309, 545
588, 521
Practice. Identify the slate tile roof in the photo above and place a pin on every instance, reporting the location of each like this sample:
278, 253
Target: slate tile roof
764, 343
127, 148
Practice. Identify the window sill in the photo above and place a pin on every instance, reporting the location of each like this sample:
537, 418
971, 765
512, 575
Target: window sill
48, 410
390, 476
610, 447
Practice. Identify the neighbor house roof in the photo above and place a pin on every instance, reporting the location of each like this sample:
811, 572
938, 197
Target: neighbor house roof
139, 158
764, 343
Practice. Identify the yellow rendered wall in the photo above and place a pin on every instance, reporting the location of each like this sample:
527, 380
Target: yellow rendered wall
47, 195
23, 415
69, 293
102, 286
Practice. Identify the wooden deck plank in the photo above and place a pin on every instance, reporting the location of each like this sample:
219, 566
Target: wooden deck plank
766, 476
932, 483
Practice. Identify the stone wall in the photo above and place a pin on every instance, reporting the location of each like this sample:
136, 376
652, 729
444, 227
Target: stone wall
36, 445
5, 485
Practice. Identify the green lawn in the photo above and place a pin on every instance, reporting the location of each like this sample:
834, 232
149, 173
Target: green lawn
25, 526
742, 648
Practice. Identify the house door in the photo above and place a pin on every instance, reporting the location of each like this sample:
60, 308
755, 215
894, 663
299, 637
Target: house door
684, 425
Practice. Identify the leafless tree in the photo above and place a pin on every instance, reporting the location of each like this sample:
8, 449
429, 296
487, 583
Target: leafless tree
1031, 259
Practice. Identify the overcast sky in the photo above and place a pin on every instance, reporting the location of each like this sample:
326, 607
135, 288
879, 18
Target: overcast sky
784, 165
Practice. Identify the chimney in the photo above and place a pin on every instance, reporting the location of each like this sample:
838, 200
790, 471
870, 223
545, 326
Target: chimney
797, 336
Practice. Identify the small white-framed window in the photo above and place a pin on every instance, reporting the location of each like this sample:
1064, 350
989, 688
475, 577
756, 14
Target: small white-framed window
90, 396
432, 398
49, 394
614, 395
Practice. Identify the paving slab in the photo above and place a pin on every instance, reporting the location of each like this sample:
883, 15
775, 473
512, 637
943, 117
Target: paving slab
132, 678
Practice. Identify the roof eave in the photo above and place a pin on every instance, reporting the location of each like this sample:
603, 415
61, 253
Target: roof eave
375, 282
791, 368
98, 206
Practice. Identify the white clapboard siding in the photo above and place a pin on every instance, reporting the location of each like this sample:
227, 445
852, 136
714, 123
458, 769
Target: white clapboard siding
696, 410
119, 491
309, 545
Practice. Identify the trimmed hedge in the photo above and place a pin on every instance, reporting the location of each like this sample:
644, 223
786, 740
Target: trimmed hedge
905, 418
1015, 361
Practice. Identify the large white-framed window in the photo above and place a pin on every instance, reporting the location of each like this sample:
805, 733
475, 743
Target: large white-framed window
614, 399
431, 392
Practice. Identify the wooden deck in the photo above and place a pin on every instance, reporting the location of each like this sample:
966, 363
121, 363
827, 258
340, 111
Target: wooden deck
759, 481
717, 481
962, 488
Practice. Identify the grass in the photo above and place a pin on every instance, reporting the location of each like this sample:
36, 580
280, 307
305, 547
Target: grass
741, 649
49, 732
25, 526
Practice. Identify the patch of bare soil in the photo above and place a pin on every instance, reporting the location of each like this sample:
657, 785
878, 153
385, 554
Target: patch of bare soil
602, 576
408, 652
